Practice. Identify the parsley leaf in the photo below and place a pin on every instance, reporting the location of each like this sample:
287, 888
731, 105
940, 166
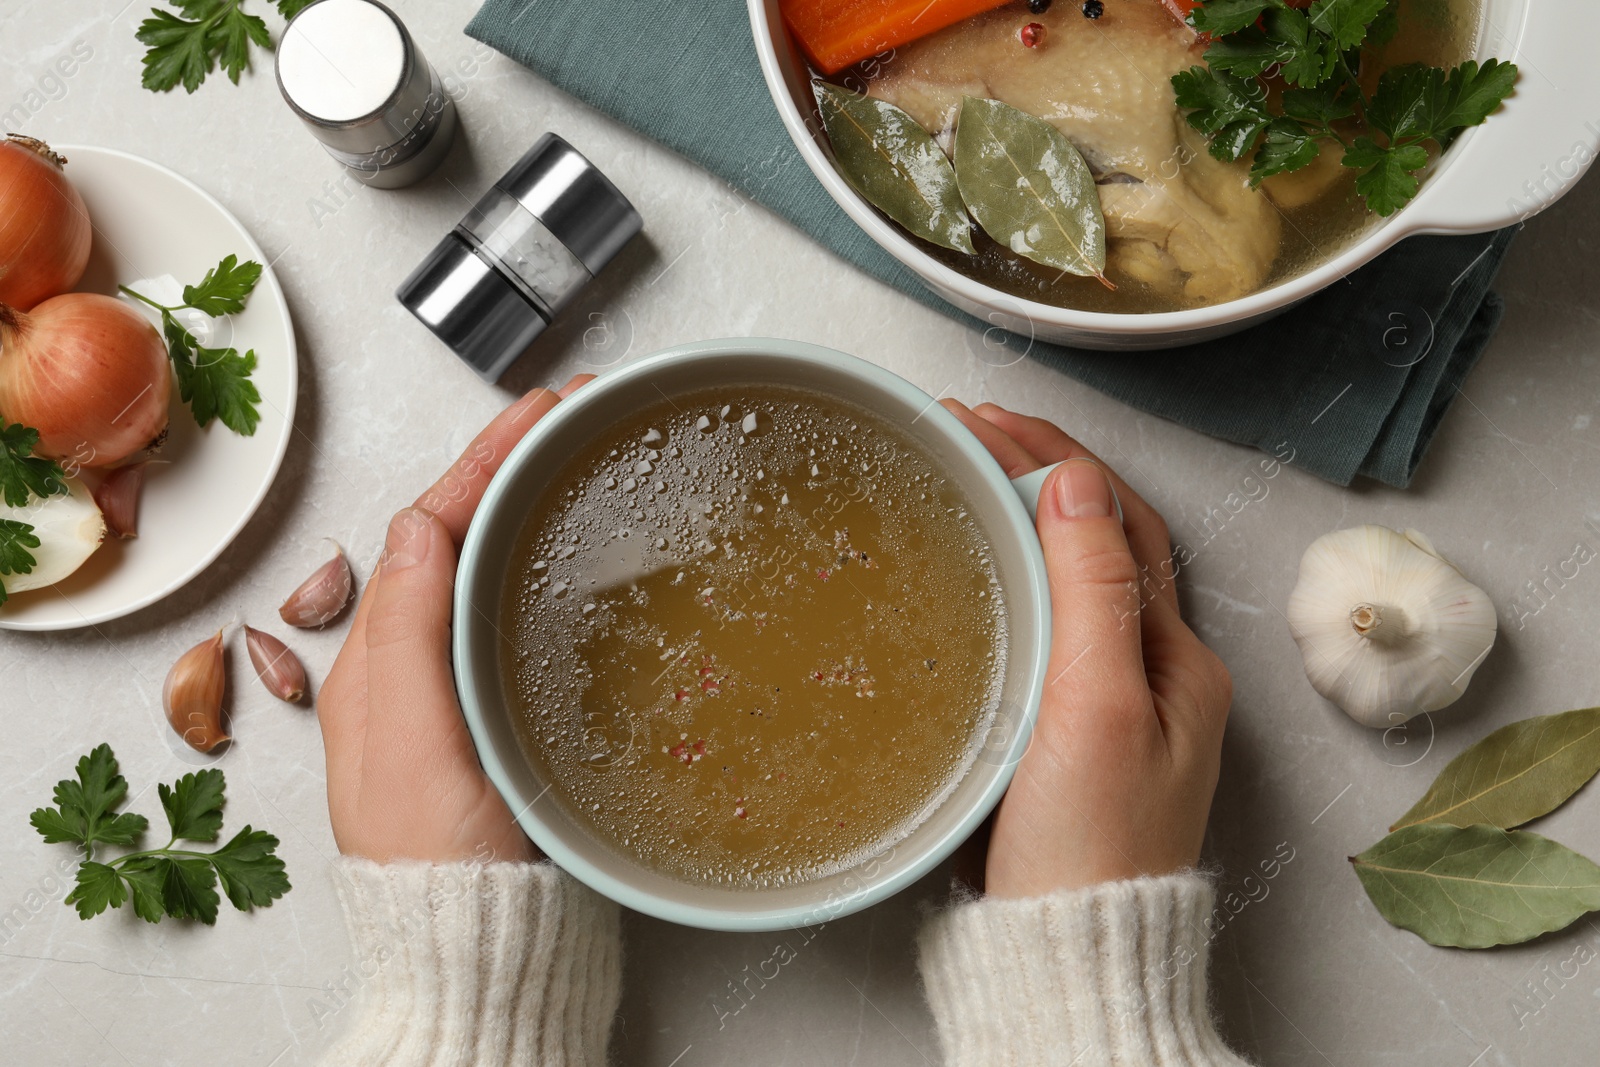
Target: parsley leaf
214, 382
217, 385
163, 882
1386, 26
1473, 94
225, 287
251, 874
144, 876
194, 805
189, 887
177, 53
1346, 21
290, 8
1219, 17
1284, 41
1288, 147
210, 33
22, 474
99, 887
85, 808
16, 538
1389, 179
1313, 60
1326, 104
1232, 111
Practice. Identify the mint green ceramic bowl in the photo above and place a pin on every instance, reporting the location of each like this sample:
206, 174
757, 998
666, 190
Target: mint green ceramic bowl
526, 473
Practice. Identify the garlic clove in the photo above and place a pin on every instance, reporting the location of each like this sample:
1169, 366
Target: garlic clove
193, 695
278, 668
118, 497
70, 529
1389, 629
321, 597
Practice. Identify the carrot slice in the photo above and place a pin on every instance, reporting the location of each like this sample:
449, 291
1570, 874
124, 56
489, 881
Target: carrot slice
836, 33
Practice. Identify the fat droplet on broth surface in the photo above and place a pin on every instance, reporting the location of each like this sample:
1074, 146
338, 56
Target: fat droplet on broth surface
654, 437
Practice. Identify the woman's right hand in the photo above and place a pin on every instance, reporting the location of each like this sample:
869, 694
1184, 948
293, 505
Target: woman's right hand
1117, 779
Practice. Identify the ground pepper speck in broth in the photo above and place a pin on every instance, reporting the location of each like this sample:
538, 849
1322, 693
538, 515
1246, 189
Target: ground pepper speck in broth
751, 636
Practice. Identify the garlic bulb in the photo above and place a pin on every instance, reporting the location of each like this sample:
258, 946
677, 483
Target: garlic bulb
1389, 629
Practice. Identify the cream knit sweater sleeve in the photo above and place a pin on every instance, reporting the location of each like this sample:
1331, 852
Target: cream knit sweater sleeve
476, 965
519, 965
1111, 974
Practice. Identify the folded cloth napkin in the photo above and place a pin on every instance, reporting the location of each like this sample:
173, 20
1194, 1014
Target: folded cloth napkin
1353, 381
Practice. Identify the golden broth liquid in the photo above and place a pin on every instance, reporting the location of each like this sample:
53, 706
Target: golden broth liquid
1440, 33
751, 636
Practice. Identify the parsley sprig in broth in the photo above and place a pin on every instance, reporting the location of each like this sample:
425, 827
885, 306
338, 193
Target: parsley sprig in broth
1316, 54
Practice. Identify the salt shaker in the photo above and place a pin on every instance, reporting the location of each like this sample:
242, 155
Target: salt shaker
355, 77
525, 250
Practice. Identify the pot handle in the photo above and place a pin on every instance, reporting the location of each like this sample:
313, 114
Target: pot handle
1029, 486
1533, 150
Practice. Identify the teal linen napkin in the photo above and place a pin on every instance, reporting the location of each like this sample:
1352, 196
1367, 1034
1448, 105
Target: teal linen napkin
1353, 381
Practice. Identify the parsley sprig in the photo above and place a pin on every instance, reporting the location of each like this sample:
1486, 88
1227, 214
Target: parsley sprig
23, 476
214, 382
209, 33
166, 881
1316, 54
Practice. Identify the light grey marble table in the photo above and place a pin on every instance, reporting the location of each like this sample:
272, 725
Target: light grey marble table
1305, 973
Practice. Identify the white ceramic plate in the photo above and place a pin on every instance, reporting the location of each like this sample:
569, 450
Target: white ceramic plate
150, 223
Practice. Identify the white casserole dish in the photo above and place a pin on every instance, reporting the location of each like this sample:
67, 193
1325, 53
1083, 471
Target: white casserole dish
1525, 158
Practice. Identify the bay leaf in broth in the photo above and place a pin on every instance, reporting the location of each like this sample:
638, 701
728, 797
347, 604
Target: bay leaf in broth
1029, 187
893, 162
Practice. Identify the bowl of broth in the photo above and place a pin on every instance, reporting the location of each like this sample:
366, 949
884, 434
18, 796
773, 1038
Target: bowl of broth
751, 633
1195, 252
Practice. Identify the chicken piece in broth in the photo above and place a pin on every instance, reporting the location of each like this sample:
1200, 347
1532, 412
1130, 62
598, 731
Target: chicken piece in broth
1180, 222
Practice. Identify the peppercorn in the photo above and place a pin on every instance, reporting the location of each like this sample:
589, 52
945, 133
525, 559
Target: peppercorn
1093, 9
1032, 35
1038, 7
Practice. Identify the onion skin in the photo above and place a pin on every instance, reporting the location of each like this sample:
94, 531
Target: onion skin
44, 226
89, 373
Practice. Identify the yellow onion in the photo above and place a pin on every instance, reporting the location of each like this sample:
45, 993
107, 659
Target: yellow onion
89, 373
44, 226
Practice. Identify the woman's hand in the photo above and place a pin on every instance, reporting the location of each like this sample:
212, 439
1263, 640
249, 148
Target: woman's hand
1117, 779
403, 777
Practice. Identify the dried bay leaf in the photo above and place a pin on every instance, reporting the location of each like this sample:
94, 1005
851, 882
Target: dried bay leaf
1476, 886
896, 165
1517, 773
1029, 188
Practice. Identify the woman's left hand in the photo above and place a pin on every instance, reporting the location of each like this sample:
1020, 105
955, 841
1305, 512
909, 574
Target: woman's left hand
403, 777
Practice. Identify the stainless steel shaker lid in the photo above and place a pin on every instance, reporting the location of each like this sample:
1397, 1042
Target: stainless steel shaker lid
570, 196
471, 307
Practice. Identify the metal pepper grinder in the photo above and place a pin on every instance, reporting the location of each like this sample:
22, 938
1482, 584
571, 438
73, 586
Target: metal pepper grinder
525, 250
